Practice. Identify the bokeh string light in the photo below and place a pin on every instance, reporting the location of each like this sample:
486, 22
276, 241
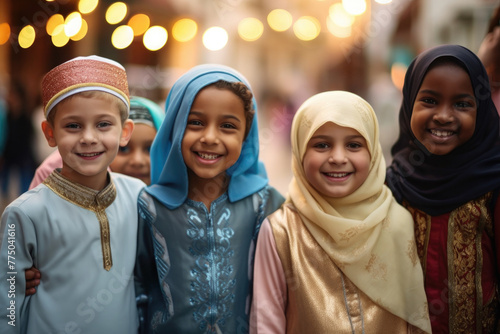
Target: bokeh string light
339, 20
184, 30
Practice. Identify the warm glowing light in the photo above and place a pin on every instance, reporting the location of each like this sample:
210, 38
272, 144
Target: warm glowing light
250, 29
58, 30
184, 30
26, 37
53, 22
82, 33
383, 2
139, 24
307, 28
354, 7
116, 13
336, 30
155, 38
339, 16
215, 38
279, 20
4, 33
73, 24
87, 6
122, 37
59, 39
398, 71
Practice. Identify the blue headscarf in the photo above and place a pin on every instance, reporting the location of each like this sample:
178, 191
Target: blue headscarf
169, 175
437, 184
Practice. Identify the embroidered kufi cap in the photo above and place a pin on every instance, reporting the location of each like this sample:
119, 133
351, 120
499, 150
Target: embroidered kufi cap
84, 74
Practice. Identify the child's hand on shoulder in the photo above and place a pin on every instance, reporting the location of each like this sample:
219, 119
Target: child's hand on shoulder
32, 276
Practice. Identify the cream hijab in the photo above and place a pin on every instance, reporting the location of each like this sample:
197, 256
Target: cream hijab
367, 233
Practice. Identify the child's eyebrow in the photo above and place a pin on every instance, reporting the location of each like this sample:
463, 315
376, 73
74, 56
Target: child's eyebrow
326, 137
461, 96
72, 118
320, 137
458, 96
428, 91
230, 116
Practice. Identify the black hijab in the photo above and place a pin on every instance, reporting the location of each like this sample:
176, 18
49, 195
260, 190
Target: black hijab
437, 184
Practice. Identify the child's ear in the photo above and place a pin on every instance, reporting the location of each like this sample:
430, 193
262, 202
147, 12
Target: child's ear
48, 131
128, 127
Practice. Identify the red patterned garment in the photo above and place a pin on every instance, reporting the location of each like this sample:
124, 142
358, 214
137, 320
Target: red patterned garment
462, 295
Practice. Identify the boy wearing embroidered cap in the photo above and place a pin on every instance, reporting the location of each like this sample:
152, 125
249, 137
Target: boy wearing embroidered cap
78, 227
133, 158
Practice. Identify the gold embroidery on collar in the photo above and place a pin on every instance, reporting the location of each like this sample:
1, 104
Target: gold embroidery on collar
90, 199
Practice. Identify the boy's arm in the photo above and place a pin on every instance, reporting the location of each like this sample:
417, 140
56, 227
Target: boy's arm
17, 249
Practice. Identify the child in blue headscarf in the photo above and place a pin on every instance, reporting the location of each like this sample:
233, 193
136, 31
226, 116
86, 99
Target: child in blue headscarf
200, 217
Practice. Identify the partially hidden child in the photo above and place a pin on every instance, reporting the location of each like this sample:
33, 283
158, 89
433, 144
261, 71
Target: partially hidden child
445, 170
79, 227
200, 217
339, 256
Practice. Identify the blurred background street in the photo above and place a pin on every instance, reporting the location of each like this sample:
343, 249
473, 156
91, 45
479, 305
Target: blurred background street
287, 49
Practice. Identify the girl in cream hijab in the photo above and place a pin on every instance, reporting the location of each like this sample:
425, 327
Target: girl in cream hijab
339, 256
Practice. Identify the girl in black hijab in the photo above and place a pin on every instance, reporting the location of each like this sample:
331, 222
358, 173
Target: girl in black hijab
446, 171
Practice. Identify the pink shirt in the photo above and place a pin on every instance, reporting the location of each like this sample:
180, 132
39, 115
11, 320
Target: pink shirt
270, 290
50, 163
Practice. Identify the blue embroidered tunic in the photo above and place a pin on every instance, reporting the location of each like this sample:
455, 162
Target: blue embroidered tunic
204, 262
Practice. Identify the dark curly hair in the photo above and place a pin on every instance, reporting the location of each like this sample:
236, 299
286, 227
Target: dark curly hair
244, 93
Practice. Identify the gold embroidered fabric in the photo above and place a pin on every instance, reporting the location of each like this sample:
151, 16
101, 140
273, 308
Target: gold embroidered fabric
320, 299
90, 199
422, 229
467, 225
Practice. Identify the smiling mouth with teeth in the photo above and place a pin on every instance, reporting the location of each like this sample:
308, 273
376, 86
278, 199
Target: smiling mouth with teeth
442, 133
208, 156
88, 154
337, 174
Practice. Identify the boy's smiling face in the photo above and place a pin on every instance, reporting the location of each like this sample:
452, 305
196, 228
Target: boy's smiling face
87, 132
214, 133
